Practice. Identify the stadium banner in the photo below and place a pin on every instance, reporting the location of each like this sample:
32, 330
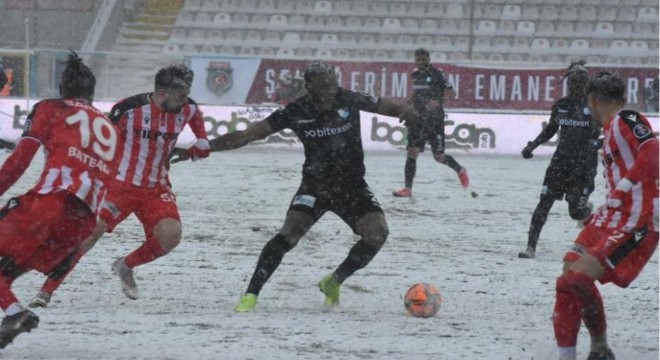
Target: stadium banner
474, 133
476, 87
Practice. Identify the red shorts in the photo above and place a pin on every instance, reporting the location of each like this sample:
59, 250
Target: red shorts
39, 231
150, 205
622, 254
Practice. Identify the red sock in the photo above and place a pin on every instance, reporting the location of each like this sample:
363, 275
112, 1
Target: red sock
566, 316
51, 284
148, 252
6, 296
591, 303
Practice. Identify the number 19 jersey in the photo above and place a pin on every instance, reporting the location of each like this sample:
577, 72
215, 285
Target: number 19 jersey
80, 145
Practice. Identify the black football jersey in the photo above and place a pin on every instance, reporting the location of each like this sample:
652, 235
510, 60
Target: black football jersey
428, 85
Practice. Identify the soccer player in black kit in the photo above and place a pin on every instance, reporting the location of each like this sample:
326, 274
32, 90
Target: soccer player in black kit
429, 87
573, 167
327, 122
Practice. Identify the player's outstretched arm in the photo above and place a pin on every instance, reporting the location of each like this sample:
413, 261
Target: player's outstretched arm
406, 112
16, 164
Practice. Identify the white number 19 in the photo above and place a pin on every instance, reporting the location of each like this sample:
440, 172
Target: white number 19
103, 145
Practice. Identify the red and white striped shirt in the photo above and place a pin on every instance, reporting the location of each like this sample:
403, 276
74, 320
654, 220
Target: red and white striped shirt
630, 150
150, 137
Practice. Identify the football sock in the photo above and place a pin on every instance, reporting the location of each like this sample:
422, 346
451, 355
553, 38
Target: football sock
358, 257
538, 220
591, 303
149, 251
409, 172
269, 259
452, 163
52, 283
566, 316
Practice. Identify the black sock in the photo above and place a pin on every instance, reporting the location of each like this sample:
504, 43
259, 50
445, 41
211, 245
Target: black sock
359, 256
451, 162
538, 220
409, 172
270, 258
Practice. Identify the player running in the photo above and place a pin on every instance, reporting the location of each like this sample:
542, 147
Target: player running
574, 164
42, 229
622, 234
152, 123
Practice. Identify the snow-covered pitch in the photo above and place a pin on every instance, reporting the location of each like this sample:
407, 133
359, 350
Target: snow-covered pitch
495, 306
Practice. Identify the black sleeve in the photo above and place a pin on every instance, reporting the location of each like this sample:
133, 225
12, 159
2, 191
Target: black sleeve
550, 130
365, 102
119, 109
280, 118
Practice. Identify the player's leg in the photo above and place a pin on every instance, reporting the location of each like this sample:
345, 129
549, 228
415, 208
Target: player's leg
17, 319
296, 224
57, 276
579, 207
365, 216
416, 143
539, 217
437, 141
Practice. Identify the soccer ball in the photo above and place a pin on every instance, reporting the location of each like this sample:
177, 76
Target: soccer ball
422, 300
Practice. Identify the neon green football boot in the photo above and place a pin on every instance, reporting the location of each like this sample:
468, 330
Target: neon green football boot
247, 303
330, 287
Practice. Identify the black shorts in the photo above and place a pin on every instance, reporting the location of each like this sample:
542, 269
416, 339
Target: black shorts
573, 182
431, 130
349, 201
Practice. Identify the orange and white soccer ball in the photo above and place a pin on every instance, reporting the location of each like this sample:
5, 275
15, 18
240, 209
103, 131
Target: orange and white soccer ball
422, 300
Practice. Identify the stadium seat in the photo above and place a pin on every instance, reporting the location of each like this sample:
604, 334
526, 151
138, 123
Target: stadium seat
315, 21
226, 50
379, 55
454, 11
627, 13
549, 13
580, 46
495, 57
386, 39
435, 9
457, 56
568, 13
274, 36
221, 19
285, 6
379, 8
398, 9
266, 51
347, 38
429, 25
323, 7
619, 47
588, 13
354, 23
207, 49
443, 43
486, 27
481, 44
515, 58
283, 52
366, 39
545, 28
599, 45
530, 13
178, 34
210, 5
215, 34
642, 29
511, 12
297, 20
342, 54
437, 56
360, 8
611, 2
361, 54
410, 24
241, 19
417, 9
506, 27
310, 37
424, 41
171, 49
324, 54
560, 45
520, 44
303, 6
278, 20
391, 24
639, 47
607, 13
584, 28
192, 5
334, 22
493, 12
478, 57
267, 5
259, 19
234, 35
565, 28
204, 18
623, 29
246, 5
540, 44
525, 28
291, 37
535, 58
462, 43
501, 44
372, 22
253, 36
648, 14
329, 39
247, 51
604, 29
188, 17
341, 7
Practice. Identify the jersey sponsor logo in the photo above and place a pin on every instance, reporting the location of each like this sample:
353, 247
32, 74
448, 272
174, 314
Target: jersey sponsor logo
562, 110
323, 132
306, 121
641, 131
305, 200
153, 135
576, 123
146, 120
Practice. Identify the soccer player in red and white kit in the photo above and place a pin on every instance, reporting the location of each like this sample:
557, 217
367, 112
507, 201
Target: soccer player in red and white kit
152, 123
41, 229
622, 234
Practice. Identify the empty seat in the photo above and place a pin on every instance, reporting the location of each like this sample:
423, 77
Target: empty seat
437, 56
435, 9
347, 38
187, 17
310, 37
549, 13
353, 22
423, 40
623, 28
619, 46
285, 5
234, 35
371, 22
495, 57
639, 46
178, 34
360, 8
278, 20
366, 39
584, 28
259, 19
274, 36
454, 11
323, 6
429, 24
221, 19
516, 58
486, 27
399, 55
521, 44
210, 5
391, 23
525, 28
565, 28
398, 8
568, 13
647, 14
171, 49
607, 13
443, 43
481, 44
253, 36
417, 9
324, 54
540, 44
380, 55
410, 23
341, 7
530, 13
265, 51
343, 54
627, 13
361, 54
297, 20
545, 28
246, 4
315, 21
334, 22
458, 56
303, 6
560, 44
506, 27
267, 5
192, 4
329, 38
386, 39
204, 18
242, 19
207, 49
604, 29
588, 13
226, 50
379, 8
247, 51
511, 12
579, 45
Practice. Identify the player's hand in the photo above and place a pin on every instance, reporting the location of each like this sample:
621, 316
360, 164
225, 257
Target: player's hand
178, 155
408, 115
527, 151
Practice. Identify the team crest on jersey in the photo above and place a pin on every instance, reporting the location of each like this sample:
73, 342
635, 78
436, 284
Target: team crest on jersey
641, 131
343, 113
179, 120
219, 79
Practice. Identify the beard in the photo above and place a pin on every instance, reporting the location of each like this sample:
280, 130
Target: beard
170, 108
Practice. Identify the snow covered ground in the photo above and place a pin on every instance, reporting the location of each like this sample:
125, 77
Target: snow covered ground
495, 307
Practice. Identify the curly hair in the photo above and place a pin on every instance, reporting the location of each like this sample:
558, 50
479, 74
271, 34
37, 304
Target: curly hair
607, 86
174, 76
77, 78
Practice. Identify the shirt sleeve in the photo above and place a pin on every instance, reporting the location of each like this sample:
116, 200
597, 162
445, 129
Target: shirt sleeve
197, 125
280, 119
365, 102
550, 130
16, 164
37, 125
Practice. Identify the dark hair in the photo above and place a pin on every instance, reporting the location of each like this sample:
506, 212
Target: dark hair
174, 76
317, 68
607, 86
422, 51
77, 78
